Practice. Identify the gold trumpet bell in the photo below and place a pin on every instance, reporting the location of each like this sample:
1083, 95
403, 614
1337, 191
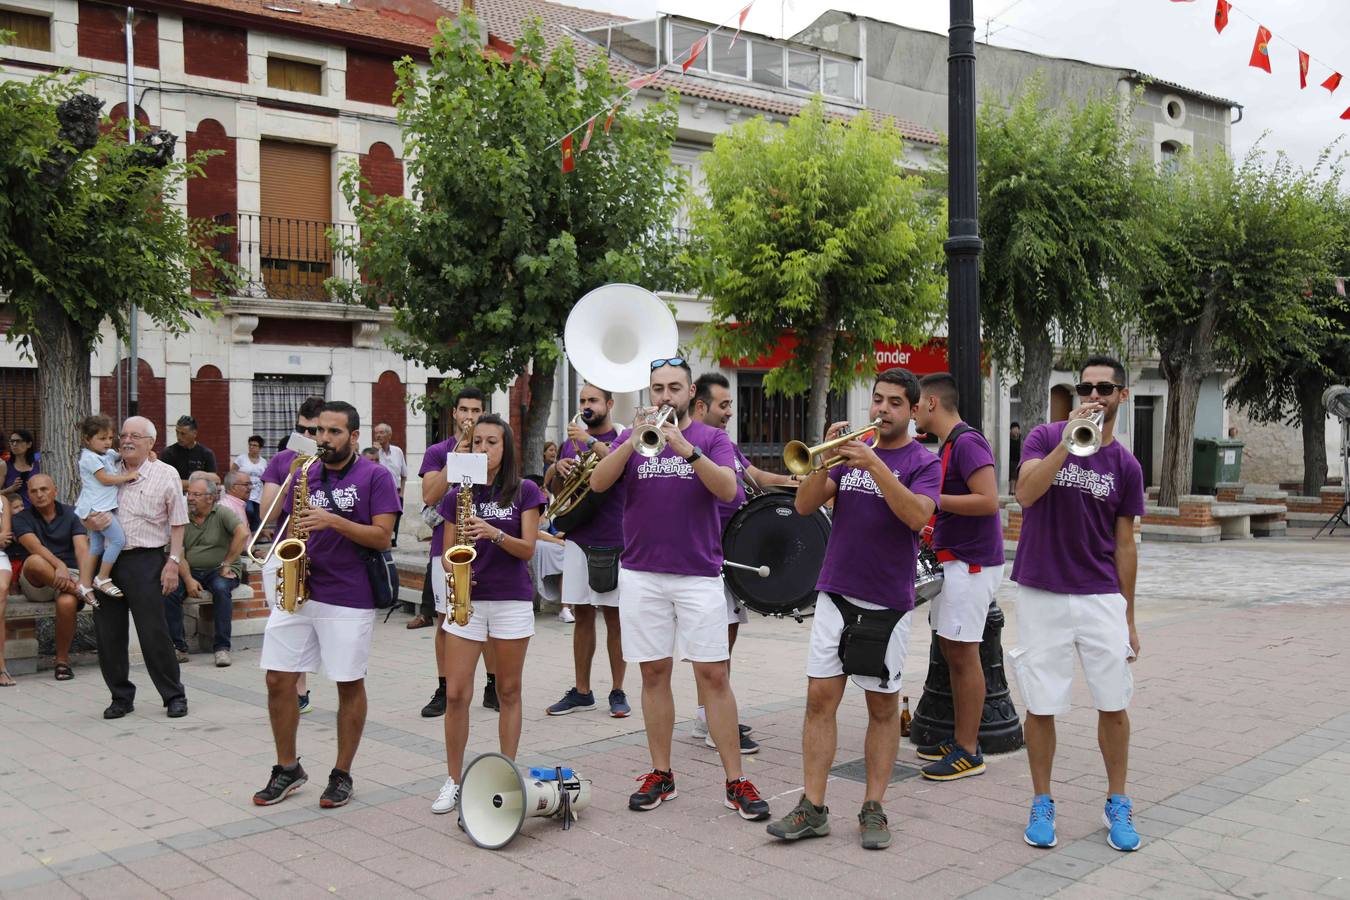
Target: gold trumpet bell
803, 460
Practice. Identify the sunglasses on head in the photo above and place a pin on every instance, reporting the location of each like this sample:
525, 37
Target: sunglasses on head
673, 361
307, 429
1103, 388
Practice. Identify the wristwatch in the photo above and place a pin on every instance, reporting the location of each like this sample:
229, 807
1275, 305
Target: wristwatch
695, 456
501, 536
173, 559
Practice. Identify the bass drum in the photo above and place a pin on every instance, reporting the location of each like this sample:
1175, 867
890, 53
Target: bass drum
767, 531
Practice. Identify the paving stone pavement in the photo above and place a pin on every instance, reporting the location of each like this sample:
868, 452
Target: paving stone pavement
1240, 770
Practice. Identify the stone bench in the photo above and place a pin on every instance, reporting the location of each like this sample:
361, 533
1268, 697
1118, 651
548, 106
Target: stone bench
1200, 518
30, 634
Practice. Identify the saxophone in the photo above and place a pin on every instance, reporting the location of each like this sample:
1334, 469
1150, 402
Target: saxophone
291, 551
458, 560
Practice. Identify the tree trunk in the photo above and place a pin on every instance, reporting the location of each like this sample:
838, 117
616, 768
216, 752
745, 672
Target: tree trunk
1313, 418
542, 374
1183, 394
63, 385
822, 352
1037, 359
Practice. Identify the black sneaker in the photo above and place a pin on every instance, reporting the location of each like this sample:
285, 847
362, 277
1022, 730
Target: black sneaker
436, 705
657, 786
490, 697
339, 791
956, 764
934, 752
742, 797
280, 785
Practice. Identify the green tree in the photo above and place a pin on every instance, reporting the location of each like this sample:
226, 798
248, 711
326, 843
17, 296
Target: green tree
1287, 387
814, 228
1058, 202
85, 232
486, 258
1233, 253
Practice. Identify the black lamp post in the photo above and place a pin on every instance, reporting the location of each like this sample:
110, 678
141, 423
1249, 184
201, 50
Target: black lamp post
934, 717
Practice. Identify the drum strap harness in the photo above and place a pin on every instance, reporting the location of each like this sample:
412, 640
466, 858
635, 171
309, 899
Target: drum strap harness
947, 556
866, 635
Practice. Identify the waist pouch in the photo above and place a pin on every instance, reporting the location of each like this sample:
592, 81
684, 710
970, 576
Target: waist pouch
602, 567
383, 576
866, 635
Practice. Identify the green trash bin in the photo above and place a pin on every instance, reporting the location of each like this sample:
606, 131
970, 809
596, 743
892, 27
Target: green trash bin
1230, 460
1205, 466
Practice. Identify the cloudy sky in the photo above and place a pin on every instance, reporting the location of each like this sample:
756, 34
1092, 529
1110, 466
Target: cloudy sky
1175, 41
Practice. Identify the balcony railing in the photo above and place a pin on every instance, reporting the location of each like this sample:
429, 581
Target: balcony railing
288, 259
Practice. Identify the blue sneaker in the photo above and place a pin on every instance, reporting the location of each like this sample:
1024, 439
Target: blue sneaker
1118, 817
571, 702
1041, 827
618, 704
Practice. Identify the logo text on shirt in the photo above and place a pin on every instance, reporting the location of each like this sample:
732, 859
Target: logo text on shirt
1097, 484
861, 480
664, 466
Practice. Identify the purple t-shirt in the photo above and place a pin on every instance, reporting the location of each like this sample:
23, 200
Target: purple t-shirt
973, 539
670, 521
433, 461
337, 574
1068, 540
725, 510
497, 575
278, 467
605, 529
871, 554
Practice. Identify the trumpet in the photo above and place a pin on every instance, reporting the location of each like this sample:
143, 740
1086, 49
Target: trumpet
649, 437
803, 460
1083, 437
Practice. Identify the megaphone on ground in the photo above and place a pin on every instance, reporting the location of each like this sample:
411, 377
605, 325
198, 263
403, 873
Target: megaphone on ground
497, 796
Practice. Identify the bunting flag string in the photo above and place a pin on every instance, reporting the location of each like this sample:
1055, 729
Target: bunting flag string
637, 83
1261, 57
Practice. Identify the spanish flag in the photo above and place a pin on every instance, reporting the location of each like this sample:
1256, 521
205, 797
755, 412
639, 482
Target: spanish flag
1221, 15
1261, 49
1302, 70
568, 163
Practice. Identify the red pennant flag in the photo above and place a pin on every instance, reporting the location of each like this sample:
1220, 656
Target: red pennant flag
694, 51
1346, 115
568, 163
1302, 70
741, 24
1261, 49
1221, 15
1332, 82
642, 81
586, 141
609, 120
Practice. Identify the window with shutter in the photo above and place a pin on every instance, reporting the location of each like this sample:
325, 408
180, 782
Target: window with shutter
30, 31
293, 75
296, 215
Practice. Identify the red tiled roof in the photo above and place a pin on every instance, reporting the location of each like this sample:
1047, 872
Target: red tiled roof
505, 20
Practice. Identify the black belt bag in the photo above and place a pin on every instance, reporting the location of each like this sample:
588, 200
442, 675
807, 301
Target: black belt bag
383, 576
866, 635
602, 567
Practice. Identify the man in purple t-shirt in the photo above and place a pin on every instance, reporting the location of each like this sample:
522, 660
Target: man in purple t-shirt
352, 506
600, 537
1075, 570
469, 405
670, 585
968, 540
712, 407
884, 494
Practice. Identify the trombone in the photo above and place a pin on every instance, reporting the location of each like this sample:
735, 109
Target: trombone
1083, 437
803, 460
650, 439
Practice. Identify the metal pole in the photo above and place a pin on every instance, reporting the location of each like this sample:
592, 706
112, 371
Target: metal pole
963, 234
134, 397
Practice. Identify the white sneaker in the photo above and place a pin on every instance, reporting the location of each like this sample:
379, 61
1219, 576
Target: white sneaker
698, 729
447, 798
565, 615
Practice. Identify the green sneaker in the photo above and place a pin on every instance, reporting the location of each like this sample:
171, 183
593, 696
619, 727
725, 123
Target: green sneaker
805, 820
876, 835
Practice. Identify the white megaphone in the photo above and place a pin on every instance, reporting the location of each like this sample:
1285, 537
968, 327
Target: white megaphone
497, 797
613, 334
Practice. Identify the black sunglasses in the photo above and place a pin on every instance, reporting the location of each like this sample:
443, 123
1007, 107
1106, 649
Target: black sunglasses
307, 429
1103, 388
673, 361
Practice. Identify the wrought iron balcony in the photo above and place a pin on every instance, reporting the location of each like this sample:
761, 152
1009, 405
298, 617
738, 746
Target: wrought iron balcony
288, 259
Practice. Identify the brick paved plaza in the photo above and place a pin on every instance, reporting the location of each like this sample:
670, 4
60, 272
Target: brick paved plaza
1240, 773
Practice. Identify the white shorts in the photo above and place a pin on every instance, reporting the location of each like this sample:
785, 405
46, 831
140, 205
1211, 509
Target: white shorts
438, 583
662, 615
576, 582
269, 581
1051, 630
4, 563
827, 627
503, 620
960, 608
736, 614
337, 636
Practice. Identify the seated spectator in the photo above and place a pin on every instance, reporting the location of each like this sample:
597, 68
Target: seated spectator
53, 545
186, 455
212, 541
234, 497
5, 574
25, 461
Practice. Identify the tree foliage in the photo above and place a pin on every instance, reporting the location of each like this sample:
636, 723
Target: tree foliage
86, 230
484, 261
1058, 201
1234, 253
814, 228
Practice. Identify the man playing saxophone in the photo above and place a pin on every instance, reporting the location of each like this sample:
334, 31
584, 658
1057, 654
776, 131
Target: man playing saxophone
350, 509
